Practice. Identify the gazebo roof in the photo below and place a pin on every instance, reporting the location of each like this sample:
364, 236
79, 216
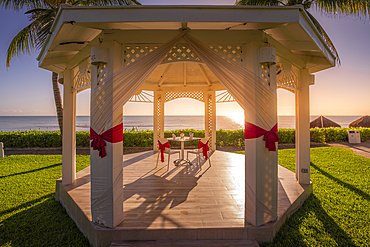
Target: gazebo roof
289, 29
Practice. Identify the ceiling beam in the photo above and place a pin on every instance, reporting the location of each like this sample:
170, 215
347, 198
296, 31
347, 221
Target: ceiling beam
285, 53
204, 74
165, 73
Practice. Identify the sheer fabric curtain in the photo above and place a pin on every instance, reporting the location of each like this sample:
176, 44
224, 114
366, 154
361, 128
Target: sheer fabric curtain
249, 90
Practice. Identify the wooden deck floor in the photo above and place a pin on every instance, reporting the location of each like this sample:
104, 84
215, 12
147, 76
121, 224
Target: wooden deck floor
186, 197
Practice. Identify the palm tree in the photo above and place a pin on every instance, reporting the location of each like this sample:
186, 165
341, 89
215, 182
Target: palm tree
353, 7
41, 14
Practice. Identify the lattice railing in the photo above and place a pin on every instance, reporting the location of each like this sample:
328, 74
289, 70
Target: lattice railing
82, 78
181, 52
198, 95
224, 96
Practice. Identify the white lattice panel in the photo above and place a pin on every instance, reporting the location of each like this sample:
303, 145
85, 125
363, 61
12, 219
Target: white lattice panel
132, 53
265, 73
287, 80
82, 78
102, 73
159, 114
198, 95
231, 52
210, 118
224, 96
142, 97
181, 52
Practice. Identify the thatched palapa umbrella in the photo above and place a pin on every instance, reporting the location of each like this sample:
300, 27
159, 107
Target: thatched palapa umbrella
361, 122
323, 122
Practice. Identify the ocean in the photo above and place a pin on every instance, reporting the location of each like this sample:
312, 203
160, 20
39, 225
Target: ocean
50, 123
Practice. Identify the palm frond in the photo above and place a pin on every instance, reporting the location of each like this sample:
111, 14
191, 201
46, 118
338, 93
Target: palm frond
18, 5
45, 21
22, 43
325, 36
32, 11
354, 7
105, 2
259, 2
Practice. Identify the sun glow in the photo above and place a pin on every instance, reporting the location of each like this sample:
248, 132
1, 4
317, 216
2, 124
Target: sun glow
236, 117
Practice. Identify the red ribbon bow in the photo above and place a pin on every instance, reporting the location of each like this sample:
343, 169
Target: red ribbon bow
205, 148
113, 135
270, 137
162, 147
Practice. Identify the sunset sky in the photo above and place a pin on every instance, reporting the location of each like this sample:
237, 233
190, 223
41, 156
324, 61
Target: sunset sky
26, 90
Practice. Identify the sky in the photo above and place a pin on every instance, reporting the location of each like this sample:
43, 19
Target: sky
26, 90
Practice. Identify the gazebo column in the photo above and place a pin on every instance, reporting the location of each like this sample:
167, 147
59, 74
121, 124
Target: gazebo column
210, 117
302, 135
106, 173
261, 170
69, 130
158, 113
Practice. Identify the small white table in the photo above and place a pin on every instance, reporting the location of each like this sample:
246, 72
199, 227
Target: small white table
182, 140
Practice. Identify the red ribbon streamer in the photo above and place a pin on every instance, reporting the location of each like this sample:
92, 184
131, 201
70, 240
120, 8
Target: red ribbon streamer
113, 135
270, 137
205, 148
162, 147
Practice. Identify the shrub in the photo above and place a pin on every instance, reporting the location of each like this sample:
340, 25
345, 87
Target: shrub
286, 135
144, 138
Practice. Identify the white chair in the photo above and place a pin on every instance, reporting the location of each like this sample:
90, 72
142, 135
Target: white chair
164, 146
203, 143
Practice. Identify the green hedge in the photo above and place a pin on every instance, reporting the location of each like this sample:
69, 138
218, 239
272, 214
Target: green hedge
144, 138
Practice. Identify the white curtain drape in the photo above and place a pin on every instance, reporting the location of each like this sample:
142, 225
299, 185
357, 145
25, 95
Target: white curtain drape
252, 94
249, 90
126, 82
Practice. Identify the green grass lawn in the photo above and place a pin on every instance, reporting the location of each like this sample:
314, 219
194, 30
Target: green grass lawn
336, 214
29, 214
338, 211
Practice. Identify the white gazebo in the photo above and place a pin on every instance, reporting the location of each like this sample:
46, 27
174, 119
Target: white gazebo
160, 53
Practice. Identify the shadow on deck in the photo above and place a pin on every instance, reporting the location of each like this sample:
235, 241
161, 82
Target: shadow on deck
184, 203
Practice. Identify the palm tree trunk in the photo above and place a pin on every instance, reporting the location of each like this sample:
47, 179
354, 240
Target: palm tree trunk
58, 101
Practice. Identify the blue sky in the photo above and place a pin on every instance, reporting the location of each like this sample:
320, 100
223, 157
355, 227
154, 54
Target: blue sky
26, 90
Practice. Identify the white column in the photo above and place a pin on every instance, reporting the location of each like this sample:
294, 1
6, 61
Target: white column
69, 130
261, 177
206, 114
210, 117
302, 104
106, 173
163, 99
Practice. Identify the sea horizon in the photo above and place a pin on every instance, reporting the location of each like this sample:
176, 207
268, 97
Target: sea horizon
144, 122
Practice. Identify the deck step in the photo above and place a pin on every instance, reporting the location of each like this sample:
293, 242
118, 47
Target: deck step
198, 243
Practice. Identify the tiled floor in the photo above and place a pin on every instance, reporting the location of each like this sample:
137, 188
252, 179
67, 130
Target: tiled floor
184, 197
